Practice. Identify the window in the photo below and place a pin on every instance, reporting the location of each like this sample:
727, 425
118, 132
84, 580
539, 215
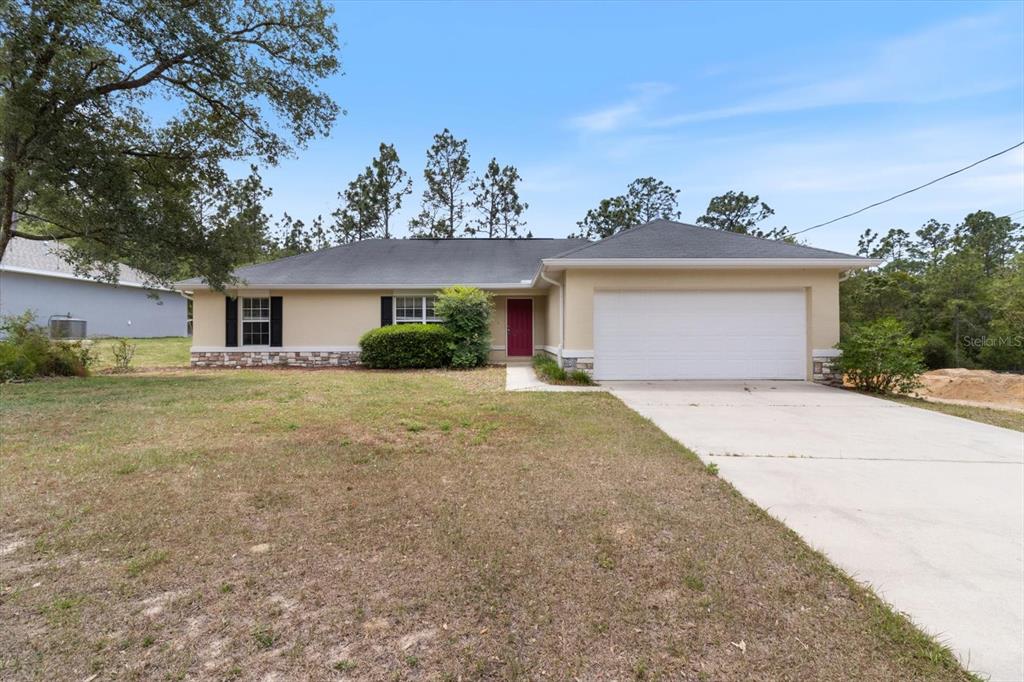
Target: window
415, 309
255, 321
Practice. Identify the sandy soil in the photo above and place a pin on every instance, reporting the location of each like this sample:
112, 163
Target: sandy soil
980, 387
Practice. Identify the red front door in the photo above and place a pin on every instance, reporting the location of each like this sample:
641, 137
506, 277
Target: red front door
520, 326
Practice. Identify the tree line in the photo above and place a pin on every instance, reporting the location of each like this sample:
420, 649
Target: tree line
958, 290
648, 199
455, 203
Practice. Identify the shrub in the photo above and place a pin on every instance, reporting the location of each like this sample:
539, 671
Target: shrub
881, 357
466, 312
578, 376
406, 346
123, 353
548, 370
27, 352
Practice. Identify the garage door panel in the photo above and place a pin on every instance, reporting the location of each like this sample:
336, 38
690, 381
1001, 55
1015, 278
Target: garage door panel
700, 335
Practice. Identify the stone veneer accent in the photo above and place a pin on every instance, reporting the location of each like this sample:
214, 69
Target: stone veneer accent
274, 358
585, 364
824, 370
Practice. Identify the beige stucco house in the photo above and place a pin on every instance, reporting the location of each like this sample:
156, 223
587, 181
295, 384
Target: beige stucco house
662, 300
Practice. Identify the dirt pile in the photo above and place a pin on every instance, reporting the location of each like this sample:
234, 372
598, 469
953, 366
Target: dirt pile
974, 387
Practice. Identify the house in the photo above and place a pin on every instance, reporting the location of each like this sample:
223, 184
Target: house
663, 300
34, 277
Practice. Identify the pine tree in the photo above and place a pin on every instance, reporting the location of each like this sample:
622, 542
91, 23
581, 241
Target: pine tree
446, 175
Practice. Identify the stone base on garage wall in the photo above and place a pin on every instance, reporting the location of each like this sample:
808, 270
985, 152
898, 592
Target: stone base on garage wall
824, 370
272, 358
585, 364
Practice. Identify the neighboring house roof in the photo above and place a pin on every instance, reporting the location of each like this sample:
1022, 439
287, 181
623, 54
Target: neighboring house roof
669, 239
408, 262
517, 263
42, 258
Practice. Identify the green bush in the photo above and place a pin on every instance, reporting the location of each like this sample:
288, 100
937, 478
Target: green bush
466, 312
406, 346
548, 369
123, 352
881, 357
27, 352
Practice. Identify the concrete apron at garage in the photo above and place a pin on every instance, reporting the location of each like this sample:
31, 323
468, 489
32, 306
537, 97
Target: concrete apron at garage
926, 508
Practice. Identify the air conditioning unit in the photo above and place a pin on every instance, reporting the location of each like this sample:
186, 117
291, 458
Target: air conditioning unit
66, 327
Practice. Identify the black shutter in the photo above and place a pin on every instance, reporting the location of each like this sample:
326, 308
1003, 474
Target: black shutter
230, 322
386, 311
275, 322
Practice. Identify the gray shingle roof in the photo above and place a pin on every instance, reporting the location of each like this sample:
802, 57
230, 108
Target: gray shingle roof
44, 258
408, 262
395, 263
669, 239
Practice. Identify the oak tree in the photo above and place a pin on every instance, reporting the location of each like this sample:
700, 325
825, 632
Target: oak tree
86, 160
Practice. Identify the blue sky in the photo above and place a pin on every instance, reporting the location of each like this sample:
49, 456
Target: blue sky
818, 108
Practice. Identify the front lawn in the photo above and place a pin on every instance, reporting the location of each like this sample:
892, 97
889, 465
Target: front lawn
420, 525
166, 351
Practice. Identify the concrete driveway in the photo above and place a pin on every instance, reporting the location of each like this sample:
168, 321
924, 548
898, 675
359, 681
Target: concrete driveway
926, 508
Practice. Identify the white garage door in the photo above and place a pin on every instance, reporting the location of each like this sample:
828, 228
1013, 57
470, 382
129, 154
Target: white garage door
700, 335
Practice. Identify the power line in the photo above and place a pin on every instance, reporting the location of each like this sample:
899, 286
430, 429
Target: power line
903, 194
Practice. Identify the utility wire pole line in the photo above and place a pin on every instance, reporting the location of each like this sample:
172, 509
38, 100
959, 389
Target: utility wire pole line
909, 191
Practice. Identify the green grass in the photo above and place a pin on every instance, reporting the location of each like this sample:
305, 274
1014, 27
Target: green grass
1007, 419
139, 565
548, 371
168, 351
256, 523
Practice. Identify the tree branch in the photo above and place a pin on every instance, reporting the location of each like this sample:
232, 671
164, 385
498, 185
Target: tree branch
70, 232
141, 81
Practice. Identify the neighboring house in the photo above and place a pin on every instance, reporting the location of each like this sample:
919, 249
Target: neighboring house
33, 277
663, 300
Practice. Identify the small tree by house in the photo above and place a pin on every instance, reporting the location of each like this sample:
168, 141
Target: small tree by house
466, 312
881, 357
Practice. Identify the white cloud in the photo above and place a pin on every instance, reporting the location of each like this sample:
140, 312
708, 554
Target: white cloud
967, 57
619, 115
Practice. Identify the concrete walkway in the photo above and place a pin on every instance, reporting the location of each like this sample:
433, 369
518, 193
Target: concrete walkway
926, 508
521, 377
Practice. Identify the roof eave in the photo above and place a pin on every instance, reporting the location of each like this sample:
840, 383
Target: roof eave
17, 269
556, 264
183, 286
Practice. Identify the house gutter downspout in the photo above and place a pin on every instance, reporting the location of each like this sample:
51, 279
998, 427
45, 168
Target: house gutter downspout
561, 312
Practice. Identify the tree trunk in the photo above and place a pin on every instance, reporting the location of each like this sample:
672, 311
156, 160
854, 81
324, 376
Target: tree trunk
7, 210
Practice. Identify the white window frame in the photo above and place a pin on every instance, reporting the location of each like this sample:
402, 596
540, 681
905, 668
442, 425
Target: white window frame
422, 318
243, 318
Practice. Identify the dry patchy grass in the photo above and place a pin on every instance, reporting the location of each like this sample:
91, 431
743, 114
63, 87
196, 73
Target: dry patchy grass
419, 525
1007, 419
